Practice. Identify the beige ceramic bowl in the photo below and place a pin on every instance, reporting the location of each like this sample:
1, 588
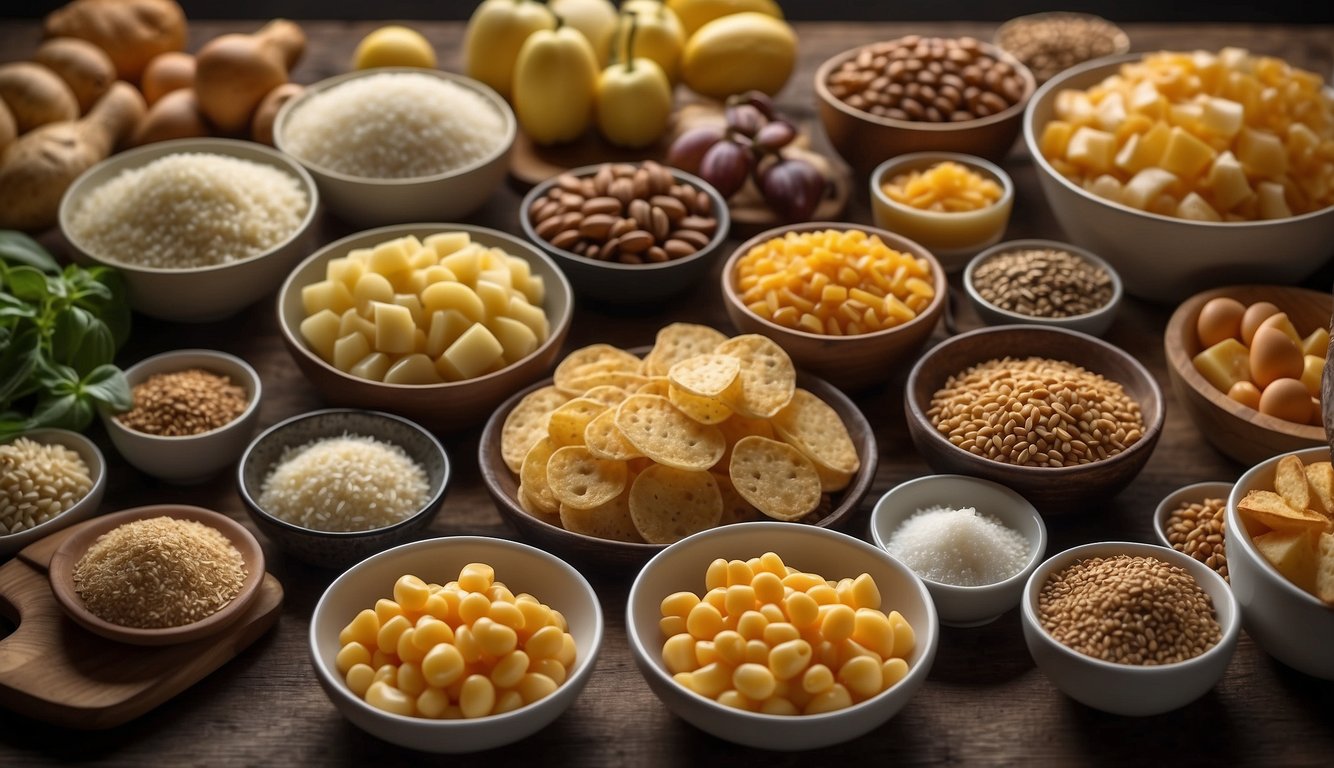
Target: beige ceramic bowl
1291, 624
850, 363
1195, 493
193, 458
200, 294
952, 237
441, 407
1161, 258
1126, 689
84, 508
523, 569
833, 555
372, 202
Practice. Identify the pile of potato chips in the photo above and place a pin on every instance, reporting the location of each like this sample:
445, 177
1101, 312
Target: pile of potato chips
704, 430
1293, 525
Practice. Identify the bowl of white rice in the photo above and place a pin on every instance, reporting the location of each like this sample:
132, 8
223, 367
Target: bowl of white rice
200, 228
334, 486
395, 145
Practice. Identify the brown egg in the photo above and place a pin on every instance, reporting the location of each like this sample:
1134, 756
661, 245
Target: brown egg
1287, 399
1255, 314
1245, 393
1274, 356
1219, 319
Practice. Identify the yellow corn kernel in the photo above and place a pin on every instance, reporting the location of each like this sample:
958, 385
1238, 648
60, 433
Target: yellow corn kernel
408, 650
838, 622
716, 574
383, 697
706, 653
892, 671
495, 639
546, 643
904, 637
767, 587
387, 639
710, 680
569, 650
350, 655
757, 652
549, 668
678, 653
863, 676
789, 659
754, 681
478, 696
432, 703
510, 669
750, 625
704, 621
387, 609
410, 680
833, 698
506, 614
442, 665
364, 628
778, 706
730, 647
779, 632
679, 604
359, 678
430, 632
535, 615
671, 625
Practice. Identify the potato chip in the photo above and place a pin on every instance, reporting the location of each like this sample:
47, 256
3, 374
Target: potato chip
737, 427
663, 433
678, 341
705, 410
605, 521
533, 476
606, 441
1290, 482
831, 480
527, 504
1270, 509
582, 381
767, 375
669, 504
581, 480
527, 424
777, 478
606, 394
735, 507
1293, 553
655, 385
1320, 476
705, 375
567, 423
815, 428
618, 359
1324, 574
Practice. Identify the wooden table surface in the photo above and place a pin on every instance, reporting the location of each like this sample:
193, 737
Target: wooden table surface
984, 701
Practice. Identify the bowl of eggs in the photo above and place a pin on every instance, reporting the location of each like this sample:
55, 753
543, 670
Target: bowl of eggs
1247, 362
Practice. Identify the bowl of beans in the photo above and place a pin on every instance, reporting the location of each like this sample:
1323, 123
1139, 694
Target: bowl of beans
1182, 205
627, 233
192, 414
395, 145
1129, 628
200, 228
334, 486
700, 610
1043, 282
1190, 520
488, 641
52, 479
983, 404
847, 302
919, 94
953, 204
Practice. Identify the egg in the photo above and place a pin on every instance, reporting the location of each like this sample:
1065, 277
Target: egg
1245, 393
1255, 314
1287, 399
1219, 319
1274, 356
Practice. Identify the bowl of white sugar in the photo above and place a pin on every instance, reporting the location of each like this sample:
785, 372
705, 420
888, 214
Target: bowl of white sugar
397, 145
972, 541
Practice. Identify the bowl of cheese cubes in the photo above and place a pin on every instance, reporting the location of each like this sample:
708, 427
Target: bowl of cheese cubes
435, 322
1175, 169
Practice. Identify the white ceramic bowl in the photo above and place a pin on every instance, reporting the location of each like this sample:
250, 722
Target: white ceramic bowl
200, 294
1165, 259
84, 508
192, 458
1187, 494
1130, 689
523, 569
1288, 622
831, 554
371, 202
1094, 323
965, 606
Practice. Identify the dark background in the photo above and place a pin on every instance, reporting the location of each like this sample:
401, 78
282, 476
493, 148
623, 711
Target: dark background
914, 10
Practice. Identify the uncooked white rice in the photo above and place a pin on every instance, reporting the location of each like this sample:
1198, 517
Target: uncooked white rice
188, 210
394, 126
347, 483
37, 482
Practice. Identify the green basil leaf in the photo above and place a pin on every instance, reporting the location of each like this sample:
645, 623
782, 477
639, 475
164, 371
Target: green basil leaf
114, 308
13, 424
18, 248
67, 333
66, 411
11, 307
56, 378
27, 283
106, 384
18, 362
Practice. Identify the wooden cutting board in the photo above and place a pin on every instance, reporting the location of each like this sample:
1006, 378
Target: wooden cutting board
51, 669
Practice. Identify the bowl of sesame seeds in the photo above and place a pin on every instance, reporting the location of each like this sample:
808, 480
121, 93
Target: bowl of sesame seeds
1043, 282
193, 413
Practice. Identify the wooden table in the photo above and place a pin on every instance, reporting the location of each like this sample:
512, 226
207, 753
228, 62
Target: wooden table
984, 701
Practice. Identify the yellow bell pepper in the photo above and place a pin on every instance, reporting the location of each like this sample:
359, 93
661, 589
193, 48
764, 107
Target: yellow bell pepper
495, 33
634, 97
555, 84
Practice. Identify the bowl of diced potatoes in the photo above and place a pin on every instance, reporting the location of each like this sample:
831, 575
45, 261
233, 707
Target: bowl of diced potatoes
1169, 166
435, 322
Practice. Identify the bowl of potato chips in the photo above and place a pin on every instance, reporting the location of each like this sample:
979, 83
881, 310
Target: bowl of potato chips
1279, 533
624, 452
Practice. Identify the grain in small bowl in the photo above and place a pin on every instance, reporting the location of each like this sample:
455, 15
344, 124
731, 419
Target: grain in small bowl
971, 541
193, 414
627, 233
1050, 43
822, 291
200, 228
1043, 282
1190, 520
1062, 467
954, 204
743, 702
401, 717
69, 474
331, 487
395, 145
1074, 636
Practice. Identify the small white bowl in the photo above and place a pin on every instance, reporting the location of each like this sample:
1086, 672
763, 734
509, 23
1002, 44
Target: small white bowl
523, 569
1291, 624
84, 508
832, 555
188, 459
1094, 323
1131, 689
965, 606
1187, 494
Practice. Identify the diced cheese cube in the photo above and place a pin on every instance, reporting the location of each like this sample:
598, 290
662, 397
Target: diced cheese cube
447, 295
1133, 125
445, 243
393, 328
1144, 150
349, 350
1313, 370
371, 287
1273, 205
1227, 182
1145, 187
1106, 186
465, 263
320, 331
1092, 149
1196, 208
473, 353
1055, 138
1223, 117
413, 369
1224, 364
1110, 112
517, 339
1186, 156
1261, 153
1189, 116
1317, 343
1303, 146
446, 326
372, 366
332, 295
1074, 106
1146, 100
390, 257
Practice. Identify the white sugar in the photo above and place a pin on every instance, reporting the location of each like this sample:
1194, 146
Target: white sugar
959, 547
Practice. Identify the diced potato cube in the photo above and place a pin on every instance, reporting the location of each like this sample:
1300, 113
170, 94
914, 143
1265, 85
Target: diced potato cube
1293, 553
1110, 112
332, 295
1144, 150
445, 326
413, 369
473, 353
1227, 182
495, 298
372, 366
1189, 116
1074, 106
393, 329
446, 370
445, 243
1261, 153
390, 257
500, 275
372, 287
535, 290
531, 316
1146, 100
447, 295
345, 271
1186, 155
1196, 208
349, 350
1224, 364
1106, 186
423, 258
352, 322
1145, 187
1055, 138
1317, 343
419, 340
1223, 117
1092, 149
520, 270
465, 263
1273, 203
1303, 146
422, 278
517, 339
320, 331
490, 258
414, 306
1313, 370
362, 255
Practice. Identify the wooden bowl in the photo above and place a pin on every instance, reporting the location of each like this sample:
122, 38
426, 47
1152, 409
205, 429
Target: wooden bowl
503, 486
1053, 490
1237, 431
851, 363
73, 548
